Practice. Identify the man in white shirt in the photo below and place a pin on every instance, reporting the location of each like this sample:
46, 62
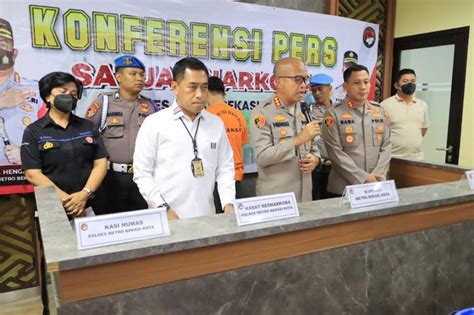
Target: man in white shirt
408, 117
183, 150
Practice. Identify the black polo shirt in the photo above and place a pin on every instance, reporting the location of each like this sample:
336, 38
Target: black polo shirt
64, 155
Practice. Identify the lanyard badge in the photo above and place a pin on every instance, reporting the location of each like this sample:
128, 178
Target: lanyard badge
197, 166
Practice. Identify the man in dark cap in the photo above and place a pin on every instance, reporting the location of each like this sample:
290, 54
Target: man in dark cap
118, 116
321, 89
18, 99
350, 58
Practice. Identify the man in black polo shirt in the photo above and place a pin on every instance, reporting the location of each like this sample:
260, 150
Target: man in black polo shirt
62, 149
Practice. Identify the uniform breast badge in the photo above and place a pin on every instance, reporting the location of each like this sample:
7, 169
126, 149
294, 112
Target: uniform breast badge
260, 121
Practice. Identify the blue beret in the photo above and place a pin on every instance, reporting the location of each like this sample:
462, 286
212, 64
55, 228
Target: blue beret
320, 79
128, 61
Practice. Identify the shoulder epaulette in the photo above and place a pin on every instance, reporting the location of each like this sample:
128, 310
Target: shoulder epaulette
374, 103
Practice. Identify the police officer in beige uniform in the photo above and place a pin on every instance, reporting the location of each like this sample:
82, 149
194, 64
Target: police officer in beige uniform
283, 141
321, 90
118, 116
356, 135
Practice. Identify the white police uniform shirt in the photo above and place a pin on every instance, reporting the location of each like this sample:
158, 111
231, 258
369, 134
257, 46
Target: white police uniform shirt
162, 162
17, 118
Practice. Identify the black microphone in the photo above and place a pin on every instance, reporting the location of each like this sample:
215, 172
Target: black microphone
306, 110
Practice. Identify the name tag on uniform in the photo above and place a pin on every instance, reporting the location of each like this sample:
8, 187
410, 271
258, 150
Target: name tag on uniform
470, 178
111, 229
365, 195
266, 208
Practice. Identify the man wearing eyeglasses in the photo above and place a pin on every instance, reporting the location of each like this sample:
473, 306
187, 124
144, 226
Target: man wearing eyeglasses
283, 141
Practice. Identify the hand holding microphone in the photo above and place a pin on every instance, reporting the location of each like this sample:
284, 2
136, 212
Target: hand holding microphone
310, 130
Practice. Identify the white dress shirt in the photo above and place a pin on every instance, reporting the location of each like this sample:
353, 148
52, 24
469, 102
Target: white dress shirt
162, 162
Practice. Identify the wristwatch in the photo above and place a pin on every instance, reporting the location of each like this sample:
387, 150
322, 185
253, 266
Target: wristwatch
89, 192
167, 206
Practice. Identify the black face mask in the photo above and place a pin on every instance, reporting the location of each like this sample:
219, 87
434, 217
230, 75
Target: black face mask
409, 88
6, 59
65, 102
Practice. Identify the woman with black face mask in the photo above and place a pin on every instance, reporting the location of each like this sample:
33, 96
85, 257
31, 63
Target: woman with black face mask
62, 149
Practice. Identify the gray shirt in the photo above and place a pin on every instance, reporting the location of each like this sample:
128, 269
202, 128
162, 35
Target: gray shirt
124, 118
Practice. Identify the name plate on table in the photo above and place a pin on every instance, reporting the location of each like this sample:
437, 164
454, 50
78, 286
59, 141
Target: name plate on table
470, 179
110, 229
266, 208
372, 194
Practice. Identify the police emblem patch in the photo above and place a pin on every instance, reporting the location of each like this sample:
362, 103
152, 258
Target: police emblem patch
127, 61
329, 121
379, 137
93, 108
114, 121
260, 121
349, 139
349, 129
379, 128
283, 132
144, 107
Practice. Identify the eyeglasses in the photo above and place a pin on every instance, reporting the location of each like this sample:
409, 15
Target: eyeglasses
298, 78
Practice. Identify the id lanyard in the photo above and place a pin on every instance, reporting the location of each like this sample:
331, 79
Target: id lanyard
196, 164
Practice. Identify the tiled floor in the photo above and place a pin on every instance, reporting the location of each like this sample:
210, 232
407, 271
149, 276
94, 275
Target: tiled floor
31, 306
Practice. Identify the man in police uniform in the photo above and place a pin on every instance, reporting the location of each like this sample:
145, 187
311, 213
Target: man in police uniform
18, 99
356, 135
283, 141
321, 90
350, 59
118, 116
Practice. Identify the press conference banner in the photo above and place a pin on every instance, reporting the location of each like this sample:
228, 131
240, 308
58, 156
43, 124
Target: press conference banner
238, 42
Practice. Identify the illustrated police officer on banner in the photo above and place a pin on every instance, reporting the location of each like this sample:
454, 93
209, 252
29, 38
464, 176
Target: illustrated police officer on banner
350, 59
18, 99
118, 116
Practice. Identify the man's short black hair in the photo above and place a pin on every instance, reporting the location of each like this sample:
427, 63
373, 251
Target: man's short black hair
57, 79
403, 72
187, 63
354, 68
216, 85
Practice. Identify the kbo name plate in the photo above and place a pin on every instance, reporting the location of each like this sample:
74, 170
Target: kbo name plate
372, 194
470, 179
266, 208
110, 229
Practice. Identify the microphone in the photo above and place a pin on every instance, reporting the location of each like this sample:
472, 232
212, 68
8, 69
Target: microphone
3, 132
306, 110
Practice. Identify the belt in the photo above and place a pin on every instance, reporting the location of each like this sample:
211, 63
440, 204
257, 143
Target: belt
120, 168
